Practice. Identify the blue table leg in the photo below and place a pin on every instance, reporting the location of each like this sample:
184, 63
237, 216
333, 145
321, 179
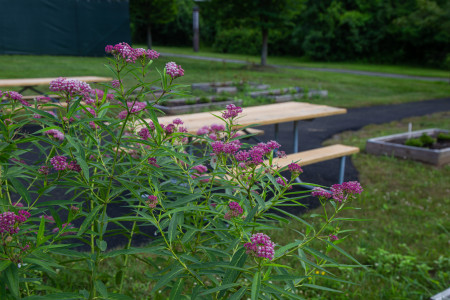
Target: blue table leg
296, 127
341, 170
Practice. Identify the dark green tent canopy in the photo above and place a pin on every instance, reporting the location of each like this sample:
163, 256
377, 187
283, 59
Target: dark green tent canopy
63, 27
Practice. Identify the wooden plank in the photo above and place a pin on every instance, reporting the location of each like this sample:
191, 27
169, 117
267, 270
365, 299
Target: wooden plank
309, 157
21, 82
259, 115
32, 97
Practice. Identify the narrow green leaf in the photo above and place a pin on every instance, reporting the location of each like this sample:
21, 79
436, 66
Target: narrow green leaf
40, 234
18, 186
345, 253
294, 217
177, 289
57, 296
238, 260
173, 226
4, 264
256, 285
101, 245
167, 278
320, 254
239, 294
12, 278
101, 288
219, 288
314, 286
88, 221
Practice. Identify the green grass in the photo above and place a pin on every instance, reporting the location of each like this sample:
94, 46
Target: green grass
301, 62
344, 90
406, 240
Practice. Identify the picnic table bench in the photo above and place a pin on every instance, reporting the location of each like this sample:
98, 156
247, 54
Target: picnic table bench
276, 114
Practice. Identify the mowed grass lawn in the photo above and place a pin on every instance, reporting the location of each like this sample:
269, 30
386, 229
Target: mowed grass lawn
344, 90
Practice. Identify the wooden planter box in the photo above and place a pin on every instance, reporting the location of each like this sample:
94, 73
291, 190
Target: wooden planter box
389, 145
192, 105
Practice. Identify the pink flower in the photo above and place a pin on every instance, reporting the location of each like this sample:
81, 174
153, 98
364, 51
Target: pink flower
177, 121
8, 222
125, 52
295, 168
333, 237
260, 246
216, 127
203, 130
59, 163
55, 134
71, 87
69, 230
74, 166
144, 133
152, 161
44, 170
320, 192
340, 192
152, 201
115, 83
235, 211
232, 111
282, 181
173, 70
17, 204
135, 106
122, 115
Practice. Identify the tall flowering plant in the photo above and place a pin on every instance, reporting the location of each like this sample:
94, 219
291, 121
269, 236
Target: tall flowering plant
209, 198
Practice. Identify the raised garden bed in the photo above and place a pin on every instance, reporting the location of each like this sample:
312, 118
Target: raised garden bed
394, 145
287, 94
229, 87
196, 104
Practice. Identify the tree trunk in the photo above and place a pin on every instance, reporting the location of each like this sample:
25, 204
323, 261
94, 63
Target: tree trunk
149, 36
265, 38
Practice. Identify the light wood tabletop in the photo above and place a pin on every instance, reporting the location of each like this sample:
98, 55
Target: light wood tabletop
259, 115
45, 81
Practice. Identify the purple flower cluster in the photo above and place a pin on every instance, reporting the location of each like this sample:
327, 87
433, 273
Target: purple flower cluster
333, 237
152, 201
133, 107
152, 161
55, 134
59, 163
70, 229
11, 95
9, 221
257, 153
232, 111
339, 192
295, 169
260, 246
219, 147
115, 83
71, 87
74, 166
282, 181
174, 70
199, 170
129, 54
235, 211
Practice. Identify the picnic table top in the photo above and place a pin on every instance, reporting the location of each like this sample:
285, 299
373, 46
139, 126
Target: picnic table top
259, 115
46, 81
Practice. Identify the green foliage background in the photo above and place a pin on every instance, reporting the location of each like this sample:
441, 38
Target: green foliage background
383, 31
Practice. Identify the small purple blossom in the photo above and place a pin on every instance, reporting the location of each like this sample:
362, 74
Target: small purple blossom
152, 201
235, 211
55, 134
115, 83
295, 169
320, 192
152, 161
144, 133
74, 166
177, 121
44, 170
232, 111
70, 87
59, 163
333, 237
260, 246
174, 70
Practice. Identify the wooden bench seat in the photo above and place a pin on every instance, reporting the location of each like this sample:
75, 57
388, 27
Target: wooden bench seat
313, 156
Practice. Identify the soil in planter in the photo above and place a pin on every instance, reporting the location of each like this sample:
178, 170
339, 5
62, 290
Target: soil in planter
439, 143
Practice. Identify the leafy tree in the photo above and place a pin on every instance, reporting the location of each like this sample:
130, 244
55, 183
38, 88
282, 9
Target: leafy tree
262, 14
151, 12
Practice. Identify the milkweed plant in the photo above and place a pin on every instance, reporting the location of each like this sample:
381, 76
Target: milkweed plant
210, 198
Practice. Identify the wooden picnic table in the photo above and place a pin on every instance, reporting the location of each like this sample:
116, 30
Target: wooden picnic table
30, 83
261, 115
